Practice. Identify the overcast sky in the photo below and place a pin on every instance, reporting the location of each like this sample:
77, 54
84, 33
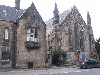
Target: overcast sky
46, 7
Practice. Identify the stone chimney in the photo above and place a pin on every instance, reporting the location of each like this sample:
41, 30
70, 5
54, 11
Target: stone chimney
17, 4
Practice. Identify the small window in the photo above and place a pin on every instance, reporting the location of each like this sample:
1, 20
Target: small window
5, 54
32, 34
6, 33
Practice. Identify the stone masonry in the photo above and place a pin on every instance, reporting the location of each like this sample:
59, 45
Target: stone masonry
71, 34
22, 37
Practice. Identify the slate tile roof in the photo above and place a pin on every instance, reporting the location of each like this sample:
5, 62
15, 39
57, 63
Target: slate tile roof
10, 13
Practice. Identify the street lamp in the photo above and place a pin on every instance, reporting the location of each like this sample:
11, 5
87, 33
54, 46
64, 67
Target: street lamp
49, 52
78, 53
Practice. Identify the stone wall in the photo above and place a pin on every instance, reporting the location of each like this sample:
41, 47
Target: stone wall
24, 55
7, 24
69, 42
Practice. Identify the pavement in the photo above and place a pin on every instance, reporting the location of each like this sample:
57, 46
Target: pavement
37, 69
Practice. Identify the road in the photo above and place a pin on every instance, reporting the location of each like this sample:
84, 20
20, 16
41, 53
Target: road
78, 72
63, 71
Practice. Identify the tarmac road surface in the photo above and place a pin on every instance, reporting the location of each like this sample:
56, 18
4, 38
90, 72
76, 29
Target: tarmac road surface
62, 71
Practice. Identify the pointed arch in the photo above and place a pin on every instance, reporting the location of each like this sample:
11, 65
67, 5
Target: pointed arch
76, 35
81, 39
70, 38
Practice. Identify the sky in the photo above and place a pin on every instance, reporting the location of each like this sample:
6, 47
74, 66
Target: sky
46, 7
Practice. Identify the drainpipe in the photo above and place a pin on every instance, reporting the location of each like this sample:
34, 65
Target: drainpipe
14, 48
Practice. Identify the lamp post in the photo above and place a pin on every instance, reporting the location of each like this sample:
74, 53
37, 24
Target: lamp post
50, 56
78, 53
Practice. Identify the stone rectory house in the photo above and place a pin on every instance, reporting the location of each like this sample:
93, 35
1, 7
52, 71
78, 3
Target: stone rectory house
22, 37
69, 32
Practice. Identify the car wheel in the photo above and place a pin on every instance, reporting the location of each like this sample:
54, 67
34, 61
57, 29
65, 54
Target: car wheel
81, 67
89, 67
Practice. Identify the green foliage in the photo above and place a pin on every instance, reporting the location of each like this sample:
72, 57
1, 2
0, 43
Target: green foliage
58, 57
99, 54
97, 46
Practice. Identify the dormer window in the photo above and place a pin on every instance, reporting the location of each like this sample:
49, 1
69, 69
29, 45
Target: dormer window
6, 33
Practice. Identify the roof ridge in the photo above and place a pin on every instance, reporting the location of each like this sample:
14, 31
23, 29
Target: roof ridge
10, 13
11, 7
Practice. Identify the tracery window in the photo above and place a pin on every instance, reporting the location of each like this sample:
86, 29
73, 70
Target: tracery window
70, 38
81, 38
76, 35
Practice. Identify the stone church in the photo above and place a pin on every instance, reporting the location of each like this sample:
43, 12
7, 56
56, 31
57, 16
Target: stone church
22, 37
69, 32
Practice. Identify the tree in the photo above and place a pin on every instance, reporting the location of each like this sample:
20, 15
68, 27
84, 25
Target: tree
97, 46
58, 57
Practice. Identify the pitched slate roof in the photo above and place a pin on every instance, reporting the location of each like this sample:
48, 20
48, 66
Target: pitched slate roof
10, 13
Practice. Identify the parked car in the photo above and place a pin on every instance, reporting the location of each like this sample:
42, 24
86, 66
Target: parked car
89, 63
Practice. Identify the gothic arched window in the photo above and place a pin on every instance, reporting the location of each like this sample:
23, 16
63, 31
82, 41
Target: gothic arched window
76, 35
81, 38
70, 38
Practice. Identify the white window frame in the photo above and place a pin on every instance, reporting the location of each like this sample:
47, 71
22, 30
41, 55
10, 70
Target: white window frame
28, 31
30, 35
6, 33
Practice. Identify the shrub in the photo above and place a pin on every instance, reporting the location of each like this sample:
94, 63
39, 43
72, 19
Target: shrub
58, 57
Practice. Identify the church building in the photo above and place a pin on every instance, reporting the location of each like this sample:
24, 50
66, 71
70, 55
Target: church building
69, 32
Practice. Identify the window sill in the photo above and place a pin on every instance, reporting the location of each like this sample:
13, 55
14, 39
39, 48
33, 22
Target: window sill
32, 45
5, 61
